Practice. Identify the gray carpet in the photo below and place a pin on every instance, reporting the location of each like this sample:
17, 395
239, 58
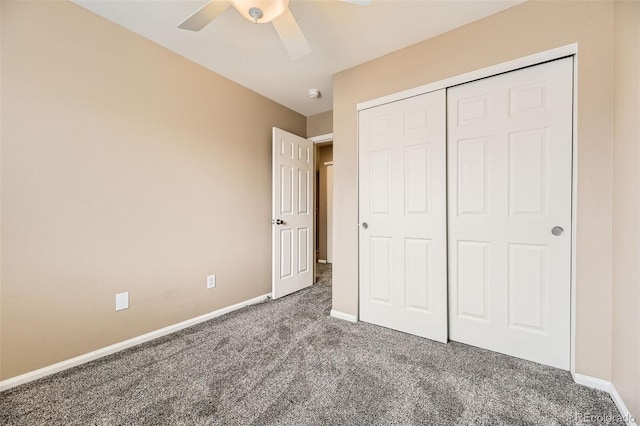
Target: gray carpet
287, 362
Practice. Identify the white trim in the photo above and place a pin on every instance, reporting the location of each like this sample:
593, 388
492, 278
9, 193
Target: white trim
321, 138
608, 387
628, 418
574, 220
328, 163
536, 58
343, 316
322, 261
592, 382
99, 353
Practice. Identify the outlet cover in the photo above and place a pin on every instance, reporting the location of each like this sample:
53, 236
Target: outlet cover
122, 301
211, 281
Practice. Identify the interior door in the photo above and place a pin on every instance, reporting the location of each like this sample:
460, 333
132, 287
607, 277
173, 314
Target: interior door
509, 178
402, 214
292, 213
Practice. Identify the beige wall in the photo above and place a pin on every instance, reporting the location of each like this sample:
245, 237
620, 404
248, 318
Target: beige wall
325, 153
626, 205
320, 124
124, 168
522, 30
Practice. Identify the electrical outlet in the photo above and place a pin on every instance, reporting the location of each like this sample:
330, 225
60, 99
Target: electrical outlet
122, 301
211, 281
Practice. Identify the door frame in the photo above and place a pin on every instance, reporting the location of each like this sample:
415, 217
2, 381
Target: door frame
322, 138
328, 164
327, 137
570, 50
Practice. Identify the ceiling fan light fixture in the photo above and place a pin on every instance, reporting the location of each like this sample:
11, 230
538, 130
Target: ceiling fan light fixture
260, 11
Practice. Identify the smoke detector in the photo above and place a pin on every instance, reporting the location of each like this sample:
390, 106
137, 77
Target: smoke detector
314, 93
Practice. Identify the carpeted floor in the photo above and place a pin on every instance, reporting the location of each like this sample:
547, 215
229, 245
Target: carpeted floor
287, 362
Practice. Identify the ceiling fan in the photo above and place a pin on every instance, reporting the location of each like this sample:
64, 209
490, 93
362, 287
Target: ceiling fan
260, 12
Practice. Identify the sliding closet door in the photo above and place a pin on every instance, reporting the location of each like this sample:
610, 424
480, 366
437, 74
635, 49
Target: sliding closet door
509, 185
402, 215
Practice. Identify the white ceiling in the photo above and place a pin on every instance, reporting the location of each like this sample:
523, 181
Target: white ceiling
341, 35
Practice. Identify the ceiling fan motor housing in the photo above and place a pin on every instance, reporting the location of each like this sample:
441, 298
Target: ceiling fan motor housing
260, 11
256, 14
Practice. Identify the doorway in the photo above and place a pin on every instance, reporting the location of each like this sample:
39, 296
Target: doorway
324, 202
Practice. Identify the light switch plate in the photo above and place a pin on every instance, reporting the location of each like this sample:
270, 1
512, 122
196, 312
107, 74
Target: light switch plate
211, 281
122, 301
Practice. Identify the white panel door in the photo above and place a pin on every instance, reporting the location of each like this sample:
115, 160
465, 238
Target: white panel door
509, 180
402, 214
292, 212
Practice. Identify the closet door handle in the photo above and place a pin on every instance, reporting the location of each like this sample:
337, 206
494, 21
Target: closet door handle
365, 225
557, 231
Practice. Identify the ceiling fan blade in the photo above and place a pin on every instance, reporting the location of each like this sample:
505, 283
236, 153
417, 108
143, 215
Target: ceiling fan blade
204, 15
359, 2
291, 35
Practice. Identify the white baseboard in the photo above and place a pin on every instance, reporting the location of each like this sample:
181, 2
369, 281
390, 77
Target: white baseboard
343, 316
99, 353
608, 387
592, 382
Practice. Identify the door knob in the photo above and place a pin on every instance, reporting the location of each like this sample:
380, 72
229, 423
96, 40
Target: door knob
277, 221
365, 225
557, 231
